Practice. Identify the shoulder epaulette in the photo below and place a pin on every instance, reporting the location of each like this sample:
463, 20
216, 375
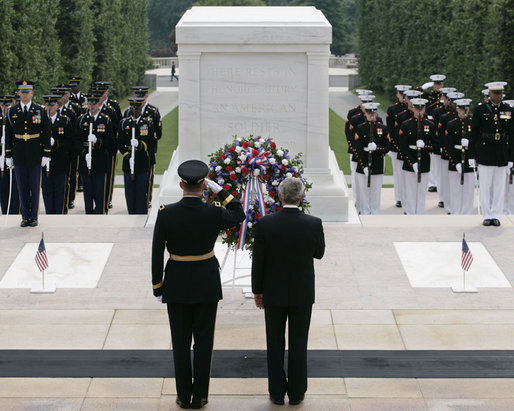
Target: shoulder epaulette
162, 207
217, 204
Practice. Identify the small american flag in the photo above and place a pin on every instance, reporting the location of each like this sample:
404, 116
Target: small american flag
41, 257
467, 257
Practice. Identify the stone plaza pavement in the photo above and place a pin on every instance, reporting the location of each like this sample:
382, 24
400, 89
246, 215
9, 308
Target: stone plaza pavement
364, 301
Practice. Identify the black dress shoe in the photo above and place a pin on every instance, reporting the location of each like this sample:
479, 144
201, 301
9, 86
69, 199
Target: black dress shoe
198, 403
72, 205
296, 401
432, 189
495, 222
110, 204
182, 404
487, 222
33, 223
24, 223
441, 204
276, 401
399, 204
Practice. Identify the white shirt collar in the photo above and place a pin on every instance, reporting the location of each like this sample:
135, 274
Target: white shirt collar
96, 116
26, 105
290, 206
53, 118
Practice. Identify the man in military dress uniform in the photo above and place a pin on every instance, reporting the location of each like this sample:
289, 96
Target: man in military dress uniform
415, 138
134, 146
80, 108
8, 189
77, 96
460, 148
392, 111
191, 286
62, 141
28, 148
493, 133
96, 141
370, 145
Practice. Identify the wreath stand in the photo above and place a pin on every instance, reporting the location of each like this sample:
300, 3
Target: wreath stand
235, 277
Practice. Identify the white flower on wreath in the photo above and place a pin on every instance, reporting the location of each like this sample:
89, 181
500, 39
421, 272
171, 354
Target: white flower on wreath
218, 168
285, 162
242, 157
227, 160
289, 175
221, 181
238, 169
256, 172
280, 153
249, 224
238, 149
238, 138
295, 168
275, 183
257, 144
272, 161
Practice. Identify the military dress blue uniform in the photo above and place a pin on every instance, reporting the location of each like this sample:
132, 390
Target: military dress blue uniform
8, 187
54, 183
27, 143
136, 183
95, 179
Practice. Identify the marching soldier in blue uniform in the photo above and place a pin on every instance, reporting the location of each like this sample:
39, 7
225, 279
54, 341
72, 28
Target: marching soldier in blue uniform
461, 150
415, 137
62, 141
28, 148
112, 109
493, 133
135, 139
80, 108
8, 189
96, 141
370, 145
191, 286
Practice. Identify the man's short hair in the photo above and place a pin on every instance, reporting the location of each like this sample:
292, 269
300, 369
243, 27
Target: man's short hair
291, 190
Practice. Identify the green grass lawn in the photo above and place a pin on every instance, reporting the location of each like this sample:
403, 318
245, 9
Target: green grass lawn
169, 141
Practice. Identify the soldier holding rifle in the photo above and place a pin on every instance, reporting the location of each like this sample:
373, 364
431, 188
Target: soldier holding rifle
96, 141
370, 146
416, 136
136, 138
461, 152
28, 148
9, 199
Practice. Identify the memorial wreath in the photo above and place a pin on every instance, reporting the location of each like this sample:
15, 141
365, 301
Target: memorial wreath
242, 168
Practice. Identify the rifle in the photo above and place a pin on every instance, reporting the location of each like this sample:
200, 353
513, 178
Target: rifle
510, 175
90, 145
132, 154
370, 153
462, 154
2, 166
419, 149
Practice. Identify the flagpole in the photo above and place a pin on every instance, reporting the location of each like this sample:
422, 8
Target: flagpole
457, 289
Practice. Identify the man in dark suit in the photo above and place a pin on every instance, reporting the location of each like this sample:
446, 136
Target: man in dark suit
191, 287
285, 245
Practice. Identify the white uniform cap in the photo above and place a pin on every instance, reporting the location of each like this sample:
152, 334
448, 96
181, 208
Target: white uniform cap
361, 91
446, 90
367, 97
419, 102
463, 102
496, 85
371, 107
402, 87
455, 95
509, 103
437, 78
412, 93
485, 92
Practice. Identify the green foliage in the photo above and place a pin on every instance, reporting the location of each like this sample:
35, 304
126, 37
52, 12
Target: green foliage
163, 16
406, 41
227, 3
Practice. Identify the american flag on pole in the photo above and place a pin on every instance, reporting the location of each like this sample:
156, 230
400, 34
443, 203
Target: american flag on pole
467, 257
41, 257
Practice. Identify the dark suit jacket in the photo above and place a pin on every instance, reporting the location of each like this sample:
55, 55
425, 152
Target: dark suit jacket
285, 245
186, 228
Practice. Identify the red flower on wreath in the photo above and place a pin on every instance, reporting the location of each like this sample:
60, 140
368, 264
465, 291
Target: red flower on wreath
246, 144
232, 149
230, 168
244, 170
232, 177
226, 187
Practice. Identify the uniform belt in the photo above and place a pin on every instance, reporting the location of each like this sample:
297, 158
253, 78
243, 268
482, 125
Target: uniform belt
413, 147
495, 136
201, 257
27, 136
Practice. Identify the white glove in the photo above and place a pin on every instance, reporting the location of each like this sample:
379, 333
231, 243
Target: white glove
472, 162
372, 147
415, 167
45, 161
215, 187
92, 138
2, 140
159, 298
9, 162
88, 160
458, 166
510, 164
52, 141
464, 142
366, 171
134, 142
420, 143
131, 162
